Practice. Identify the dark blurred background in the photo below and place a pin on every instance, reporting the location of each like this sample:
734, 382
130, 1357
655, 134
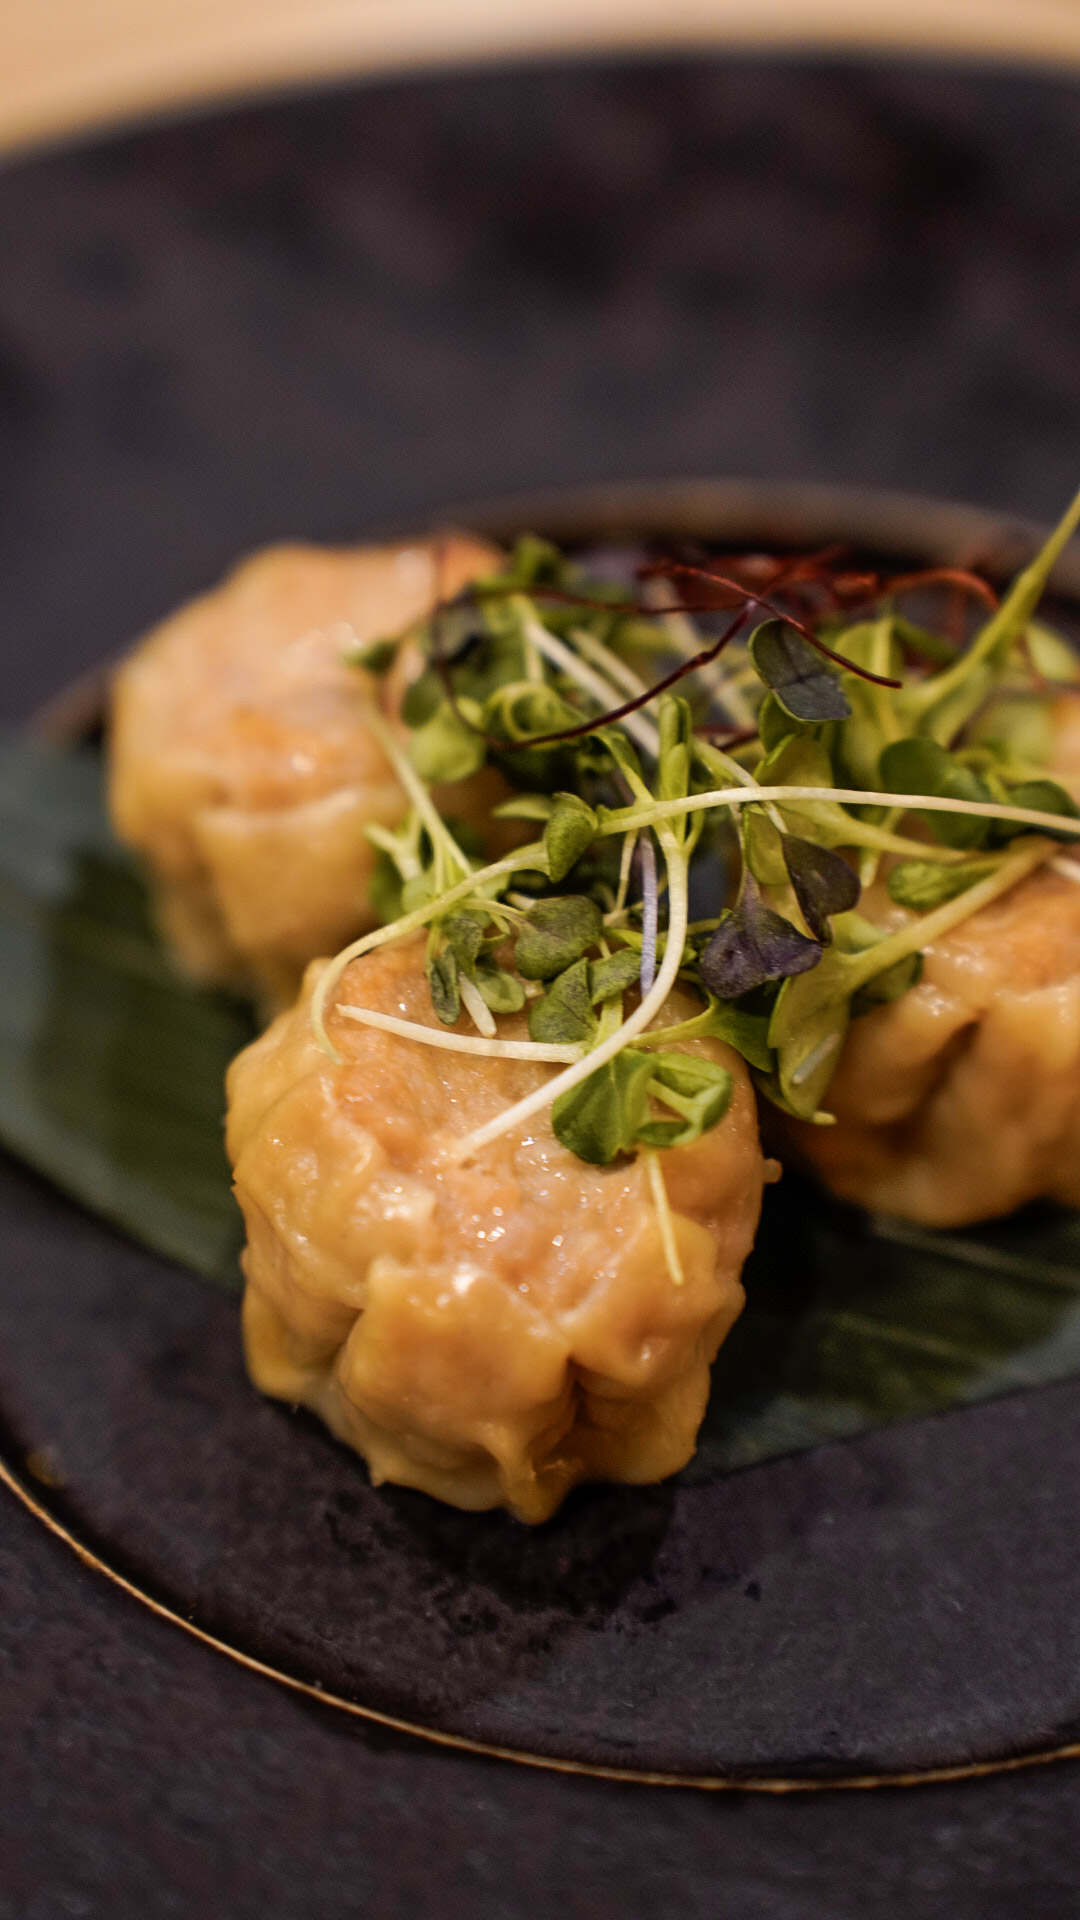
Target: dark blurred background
367, 307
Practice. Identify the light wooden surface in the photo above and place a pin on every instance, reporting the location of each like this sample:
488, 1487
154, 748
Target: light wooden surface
70, 64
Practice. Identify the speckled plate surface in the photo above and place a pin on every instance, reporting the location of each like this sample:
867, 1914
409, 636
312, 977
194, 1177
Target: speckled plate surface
332, 316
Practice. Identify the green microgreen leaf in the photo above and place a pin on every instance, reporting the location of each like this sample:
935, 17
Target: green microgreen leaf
465, 932
808, 1026
502, 992
775, 723
762, 848
376, 658
445, 748
442, 973
698, 1090
888, 986
526, 806
822, 881
1051, 656
422, 698
753, 944
918, 765
615, 975
385, 887
620, 750
746, 1031
556, 933
564, 1014
1045, 796
570, 831
524, 710
921, 885
602, 1116
919, 640
802, 681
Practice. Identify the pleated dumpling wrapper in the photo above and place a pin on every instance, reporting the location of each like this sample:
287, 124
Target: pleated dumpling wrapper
492, 1332
961, 1099
243, 766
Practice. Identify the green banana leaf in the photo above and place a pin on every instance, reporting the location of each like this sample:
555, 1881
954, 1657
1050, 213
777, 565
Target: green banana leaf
111, 1070
111, 1065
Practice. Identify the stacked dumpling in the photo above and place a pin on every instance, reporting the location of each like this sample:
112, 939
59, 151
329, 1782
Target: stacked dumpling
493, 1332
243, 764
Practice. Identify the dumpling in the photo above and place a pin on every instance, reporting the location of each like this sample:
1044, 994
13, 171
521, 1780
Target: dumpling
243, 766
492, 1332
961, 1100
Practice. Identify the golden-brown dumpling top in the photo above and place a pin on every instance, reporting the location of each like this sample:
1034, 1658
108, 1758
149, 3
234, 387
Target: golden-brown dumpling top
491, 1332
243, 765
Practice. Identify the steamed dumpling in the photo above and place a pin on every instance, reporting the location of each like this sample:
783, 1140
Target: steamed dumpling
961, 1099
243, 766
492, 1333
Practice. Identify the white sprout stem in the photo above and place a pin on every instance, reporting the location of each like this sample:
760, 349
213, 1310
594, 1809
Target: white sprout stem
686, 639
626, 818
641, 729
440, 833
664, 1217
625, 861
476, 1007
518, 861
1063, 865
608, 662
649, 1006
461, 1042
742, 776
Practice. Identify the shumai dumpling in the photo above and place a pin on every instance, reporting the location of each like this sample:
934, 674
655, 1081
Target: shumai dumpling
961, 1099
492, 1332
243, 765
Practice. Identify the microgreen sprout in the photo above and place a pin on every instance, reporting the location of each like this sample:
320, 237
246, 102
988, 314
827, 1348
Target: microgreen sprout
854, 743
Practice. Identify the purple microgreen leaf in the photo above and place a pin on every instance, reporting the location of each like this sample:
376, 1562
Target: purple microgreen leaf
753, 944
822, 881
805, 686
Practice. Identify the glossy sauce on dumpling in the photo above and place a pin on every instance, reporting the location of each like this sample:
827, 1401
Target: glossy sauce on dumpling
494, 1332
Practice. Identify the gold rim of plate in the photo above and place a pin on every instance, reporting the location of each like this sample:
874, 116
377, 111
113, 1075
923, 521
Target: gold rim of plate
777, 1784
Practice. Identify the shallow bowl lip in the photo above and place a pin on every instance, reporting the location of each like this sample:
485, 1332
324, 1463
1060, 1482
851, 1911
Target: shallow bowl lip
768, 513
776, 512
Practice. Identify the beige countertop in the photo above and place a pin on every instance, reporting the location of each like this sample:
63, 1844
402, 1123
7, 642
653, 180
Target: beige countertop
70, 64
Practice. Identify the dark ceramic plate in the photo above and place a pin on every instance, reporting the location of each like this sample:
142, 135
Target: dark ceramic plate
327, 316
889, 1606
